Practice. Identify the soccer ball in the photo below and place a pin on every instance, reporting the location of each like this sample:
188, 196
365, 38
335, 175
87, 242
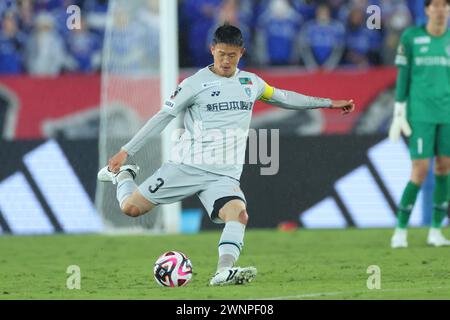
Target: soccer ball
173, 269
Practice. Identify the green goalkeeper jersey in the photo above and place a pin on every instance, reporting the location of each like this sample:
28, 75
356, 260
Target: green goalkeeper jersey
423, 80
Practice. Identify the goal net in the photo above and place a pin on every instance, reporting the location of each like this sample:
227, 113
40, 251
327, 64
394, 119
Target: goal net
130, 95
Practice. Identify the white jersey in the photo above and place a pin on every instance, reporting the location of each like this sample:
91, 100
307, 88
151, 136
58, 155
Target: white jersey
218, 112
217, 119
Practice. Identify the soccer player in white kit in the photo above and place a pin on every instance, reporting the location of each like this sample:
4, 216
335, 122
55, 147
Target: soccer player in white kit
216, 99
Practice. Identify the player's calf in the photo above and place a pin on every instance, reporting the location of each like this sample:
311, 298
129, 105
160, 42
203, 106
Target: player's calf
131, 202
234, 214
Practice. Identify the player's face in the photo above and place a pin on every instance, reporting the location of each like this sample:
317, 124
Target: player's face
226, 58
438, 12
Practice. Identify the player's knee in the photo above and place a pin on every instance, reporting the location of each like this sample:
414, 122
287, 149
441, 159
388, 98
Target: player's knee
419, 177
442, 166
440, 169
131, 210
243, 217
234, 214
420, 172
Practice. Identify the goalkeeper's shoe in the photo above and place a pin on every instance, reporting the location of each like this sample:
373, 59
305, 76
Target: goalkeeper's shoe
436, 238
105, 175
399, 239
236, 275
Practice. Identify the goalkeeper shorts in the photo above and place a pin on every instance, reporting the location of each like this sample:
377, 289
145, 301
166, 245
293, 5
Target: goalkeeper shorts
428, 140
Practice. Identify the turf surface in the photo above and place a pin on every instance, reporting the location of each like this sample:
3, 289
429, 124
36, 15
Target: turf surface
305, 264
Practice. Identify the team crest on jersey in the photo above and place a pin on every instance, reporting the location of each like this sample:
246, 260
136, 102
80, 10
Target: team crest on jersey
245, 81
248, 91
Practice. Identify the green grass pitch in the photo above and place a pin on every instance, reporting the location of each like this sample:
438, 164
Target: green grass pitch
305, 264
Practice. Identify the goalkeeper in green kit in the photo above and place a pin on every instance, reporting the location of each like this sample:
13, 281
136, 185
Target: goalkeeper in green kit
422, 112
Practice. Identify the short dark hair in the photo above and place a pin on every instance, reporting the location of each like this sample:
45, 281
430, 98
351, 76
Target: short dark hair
228, 34
428, 2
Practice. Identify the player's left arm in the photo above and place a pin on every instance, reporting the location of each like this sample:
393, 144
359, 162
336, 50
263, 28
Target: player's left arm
295, 101
181, 99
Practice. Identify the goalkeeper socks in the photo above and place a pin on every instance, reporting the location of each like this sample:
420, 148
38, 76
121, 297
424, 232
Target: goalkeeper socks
440, 201
230, 244
407, 204
125, 186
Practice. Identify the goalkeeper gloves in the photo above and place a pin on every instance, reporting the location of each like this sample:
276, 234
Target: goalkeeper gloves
399, 122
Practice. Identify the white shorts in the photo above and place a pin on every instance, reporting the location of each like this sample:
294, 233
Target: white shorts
174, 182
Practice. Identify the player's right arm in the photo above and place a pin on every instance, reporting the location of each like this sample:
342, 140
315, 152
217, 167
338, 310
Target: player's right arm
403, 61
180, 100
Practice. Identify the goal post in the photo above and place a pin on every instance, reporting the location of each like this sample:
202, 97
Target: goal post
171, 213
139, 70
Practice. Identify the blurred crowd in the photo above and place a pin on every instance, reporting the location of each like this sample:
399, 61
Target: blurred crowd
314, 34
35, 38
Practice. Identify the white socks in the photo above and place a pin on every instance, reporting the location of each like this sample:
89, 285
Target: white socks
125, 186
230, 244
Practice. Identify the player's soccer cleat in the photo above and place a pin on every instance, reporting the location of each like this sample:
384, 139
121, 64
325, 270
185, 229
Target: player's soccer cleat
236, 275
105, 175
436, 238
399, 239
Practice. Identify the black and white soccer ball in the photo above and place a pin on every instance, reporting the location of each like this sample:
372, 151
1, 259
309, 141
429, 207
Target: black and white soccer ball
173, 269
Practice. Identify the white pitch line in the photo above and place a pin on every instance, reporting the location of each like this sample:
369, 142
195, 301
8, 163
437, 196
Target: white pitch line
324, 294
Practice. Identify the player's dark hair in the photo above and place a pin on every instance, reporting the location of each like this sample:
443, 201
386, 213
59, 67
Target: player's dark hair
228, 34
428, 2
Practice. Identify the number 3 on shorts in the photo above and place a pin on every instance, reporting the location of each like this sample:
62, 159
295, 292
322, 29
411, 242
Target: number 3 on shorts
158, 185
